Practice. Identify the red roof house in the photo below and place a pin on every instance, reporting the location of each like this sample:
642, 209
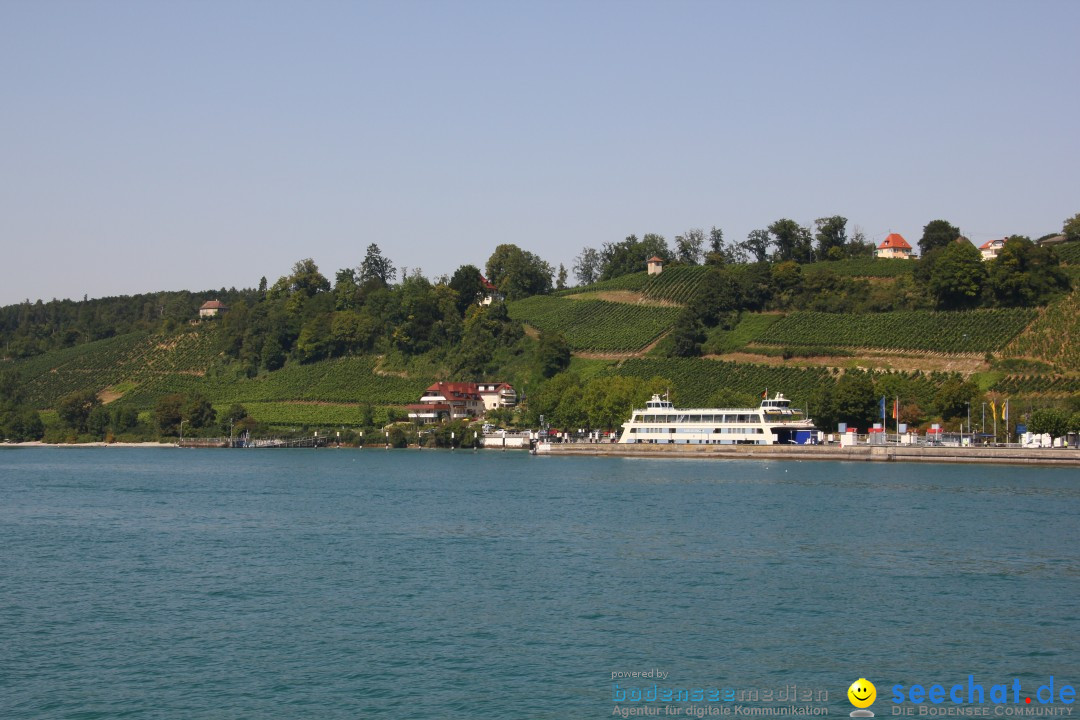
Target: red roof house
894, 246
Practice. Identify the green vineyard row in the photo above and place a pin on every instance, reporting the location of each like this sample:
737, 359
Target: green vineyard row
595, 324
974, 331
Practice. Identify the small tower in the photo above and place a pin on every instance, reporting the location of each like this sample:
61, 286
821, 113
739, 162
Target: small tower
656, 265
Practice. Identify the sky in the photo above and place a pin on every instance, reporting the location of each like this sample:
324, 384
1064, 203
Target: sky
195, 145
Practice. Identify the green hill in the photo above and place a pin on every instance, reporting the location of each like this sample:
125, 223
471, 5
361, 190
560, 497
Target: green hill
595, 325
136, 369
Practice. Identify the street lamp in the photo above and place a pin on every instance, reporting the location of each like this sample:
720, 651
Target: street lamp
181, 433
968, 403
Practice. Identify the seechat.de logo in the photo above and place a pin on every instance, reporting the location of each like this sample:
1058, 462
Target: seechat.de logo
862, 694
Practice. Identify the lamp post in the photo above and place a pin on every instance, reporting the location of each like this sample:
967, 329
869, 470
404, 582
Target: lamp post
968, 403
230, 432
181, 433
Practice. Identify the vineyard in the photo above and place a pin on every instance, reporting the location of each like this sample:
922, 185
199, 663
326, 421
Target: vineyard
975, 331
695, 380
680, 284
340, 380
595, 325
863, 267
147, 361
1054, 336
1038, 385
750, 326
139, 368
1068, 252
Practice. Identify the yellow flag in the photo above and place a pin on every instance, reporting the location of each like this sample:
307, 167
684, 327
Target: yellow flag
993, 409
1005, 410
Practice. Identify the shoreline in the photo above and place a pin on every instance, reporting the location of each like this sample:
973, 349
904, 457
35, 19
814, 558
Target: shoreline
1047, 457
1053, 457
38, 443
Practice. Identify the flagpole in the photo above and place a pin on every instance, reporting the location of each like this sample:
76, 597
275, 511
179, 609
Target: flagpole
1006, 418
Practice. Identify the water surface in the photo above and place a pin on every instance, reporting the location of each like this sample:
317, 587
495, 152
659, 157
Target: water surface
168, 583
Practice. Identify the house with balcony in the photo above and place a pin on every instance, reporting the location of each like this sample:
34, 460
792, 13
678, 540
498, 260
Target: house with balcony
461, 401
991, 248
490, 293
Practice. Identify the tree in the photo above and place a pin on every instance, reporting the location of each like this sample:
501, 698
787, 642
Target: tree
854, 401
587, 266
74, 409
858, 245
688, 246
757, 245
631, 255
954, 396
306, 279
1071, 228
99, 421
687, 335
716, 240
1025, 274
469, 286
552, 354
346, 290
314, 342
198, 412
20, 424
955, 275
518, 273
937, 234
167, 413
1055, 422
560, 284
377, 268
718, 254
831, 237
792, 241
234, 417
352, 331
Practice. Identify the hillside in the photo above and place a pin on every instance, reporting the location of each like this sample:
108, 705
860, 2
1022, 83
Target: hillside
138, 368
295, 357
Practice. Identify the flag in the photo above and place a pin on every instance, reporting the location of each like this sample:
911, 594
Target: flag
882, 406
896, 408
1005, 410
765, 395
993, 409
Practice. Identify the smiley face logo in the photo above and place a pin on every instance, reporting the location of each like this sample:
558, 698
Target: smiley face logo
862, 693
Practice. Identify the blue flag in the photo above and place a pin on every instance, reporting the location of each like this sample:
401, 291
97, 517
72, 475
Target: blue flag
883, 408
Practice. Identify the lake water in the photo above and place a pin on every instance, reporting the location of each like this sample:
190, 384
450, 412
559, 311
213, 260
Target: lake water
167, 583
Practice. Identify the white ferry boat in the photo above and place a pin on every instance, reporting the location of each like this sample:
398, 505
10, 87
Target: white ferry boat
774, 422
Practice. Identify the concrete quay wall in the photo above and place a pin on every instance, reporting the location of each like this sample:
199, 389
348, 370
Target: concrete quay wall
867, 453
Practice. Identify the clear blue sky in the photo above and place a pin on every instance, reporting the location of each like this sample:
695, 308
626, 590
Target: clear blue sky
169, 145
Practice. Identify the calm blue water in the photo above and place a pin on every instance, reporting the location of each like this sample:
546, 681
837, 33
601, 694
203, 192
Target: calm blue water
344, 584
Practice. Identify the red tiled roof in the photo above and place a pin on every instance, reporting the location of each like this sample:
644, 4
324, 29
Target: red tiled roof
991, 243
213, 305
894, 241
655, 259
487, 284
